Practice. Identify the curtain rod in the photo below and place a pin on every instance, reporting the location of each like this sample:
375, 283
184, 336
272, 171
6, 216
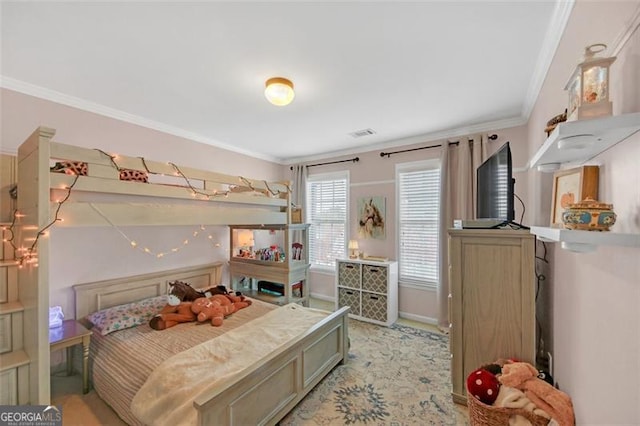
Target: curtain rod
354, 159
389, 154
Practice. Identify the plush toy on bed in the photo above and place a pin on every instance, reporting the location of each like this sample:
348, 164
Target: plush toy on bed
174, 313
218, 306
185, 293
178, 307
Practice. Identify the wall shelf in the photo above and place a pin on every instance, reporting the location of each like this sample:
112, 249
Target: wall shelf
585, 241
579, 141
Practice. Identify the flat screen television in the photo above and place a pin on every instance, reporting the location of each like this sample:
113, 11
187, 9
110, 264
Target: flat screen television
495, 187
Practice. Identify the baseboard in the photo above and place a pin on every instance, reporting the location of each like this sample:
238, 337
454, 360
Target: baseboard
323, 297
405, 315
418, 318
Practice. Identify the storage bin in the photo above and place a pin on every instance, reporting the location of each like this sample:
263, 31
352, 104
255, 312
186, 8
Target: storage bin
374, 278
374, 306
481, 414
349, 274
351, 298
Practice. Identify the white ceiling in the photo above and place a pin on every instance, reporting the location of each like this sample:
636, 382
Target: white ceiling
411, 71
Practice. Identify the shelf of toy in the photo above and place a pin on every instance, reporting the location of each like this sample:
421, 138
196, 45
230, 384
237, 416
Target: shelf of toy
585, 241
581, 140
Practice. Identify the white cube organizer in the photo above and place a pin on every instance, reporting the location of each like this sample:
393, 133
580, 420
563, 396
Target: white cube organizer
369, 288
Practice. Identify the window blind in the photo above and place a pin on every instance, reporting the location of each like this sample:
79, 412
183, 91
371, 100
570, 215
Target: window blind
418, 211
327, 215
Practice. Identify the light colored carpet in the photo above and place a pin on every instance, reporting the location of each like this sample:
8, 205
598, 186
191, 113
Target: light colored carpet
79, 409
394, 376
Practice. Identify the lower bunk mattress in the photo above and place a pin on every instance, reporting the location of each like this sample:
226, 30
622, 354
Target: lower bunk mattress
156, 370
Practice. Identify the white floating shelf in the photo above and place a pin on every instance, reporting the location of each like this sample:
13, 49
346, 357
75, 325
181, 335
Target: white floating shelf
585, 241
592, 136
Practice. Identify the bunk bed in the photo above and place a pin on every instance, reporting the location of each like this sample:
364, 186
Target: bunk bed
95, 188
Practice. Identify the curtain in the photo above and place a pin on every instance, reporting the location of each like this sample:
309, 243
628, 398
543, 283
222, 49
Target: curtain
299, 194
458, 164
299, 185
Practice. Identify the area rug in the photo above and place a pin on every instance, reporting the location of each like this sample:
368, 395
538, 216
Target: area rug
394, 376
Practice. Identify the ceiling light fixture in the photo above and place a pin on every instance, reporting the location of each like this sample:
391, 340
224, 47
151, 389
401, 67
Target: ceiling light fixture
279, 91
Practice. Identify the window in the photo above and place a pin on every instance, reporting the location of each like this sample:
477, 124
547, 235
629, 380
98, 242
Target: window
327, 214
418, 186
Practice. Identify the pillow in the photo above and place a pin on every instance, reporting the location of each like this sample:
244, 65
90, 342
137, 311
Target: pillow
70, 167
134, 175
126, 316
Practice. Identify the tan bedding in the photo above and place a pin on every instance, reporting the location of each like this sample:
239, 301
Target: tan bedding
166, 398
122, 361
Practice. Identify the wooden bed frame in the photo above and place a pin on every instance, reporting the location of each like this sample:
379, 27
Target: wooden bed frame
194, 197
265, 391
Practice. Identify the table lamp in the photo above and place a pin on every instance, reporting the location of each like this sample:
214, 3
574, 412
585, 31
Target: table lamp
353, 249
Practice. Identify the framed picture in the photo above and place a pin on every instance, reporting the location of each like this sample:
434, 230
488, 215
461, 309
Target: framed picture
371, 217
572, 186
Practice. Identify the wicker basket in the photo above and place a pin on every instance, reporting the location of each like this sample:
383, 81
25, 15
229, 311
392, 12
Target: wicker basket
481, 414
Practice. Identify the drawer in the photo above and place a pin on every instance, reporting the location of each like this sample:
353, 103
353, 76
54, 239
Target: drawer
349, 274
374, 306
374, 278
351, 298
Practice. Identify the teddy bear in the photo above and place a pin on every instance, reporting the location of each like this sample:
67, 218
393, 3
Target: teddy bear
524, 376
218, 306
210, 309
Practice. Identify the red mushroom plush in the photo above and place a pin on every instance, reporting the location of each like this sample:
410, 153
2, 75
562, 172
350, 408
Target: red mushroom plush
483, 385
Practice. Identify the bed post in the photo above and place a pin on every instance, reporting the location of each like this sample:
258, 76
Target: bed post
33, 278
346, 342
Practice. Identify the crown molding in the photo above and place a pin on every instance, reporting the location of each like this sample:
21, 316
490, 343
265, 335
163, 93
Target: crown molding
61, 98
82, 104
631, 27
12, 152
450, 134
557, 25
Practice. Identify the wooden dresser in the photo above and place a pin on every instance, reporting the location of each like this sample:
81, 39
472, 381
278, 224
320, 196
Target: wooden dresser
492, 300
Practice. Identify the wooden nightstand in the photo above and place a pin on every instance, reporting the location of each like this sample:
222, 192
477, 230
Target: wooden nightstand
69, 334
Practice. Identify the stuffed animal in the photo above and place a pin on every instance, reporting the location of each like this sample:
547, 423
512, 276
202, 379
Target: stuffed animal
209, 309
524, 376
483, 385
178, 307
172, 314
184, 292
218, 306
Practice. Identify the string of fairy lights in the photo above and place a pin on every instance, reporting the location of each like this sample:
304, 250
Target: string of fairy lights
24, 255
141, 247
195, 191
28, 255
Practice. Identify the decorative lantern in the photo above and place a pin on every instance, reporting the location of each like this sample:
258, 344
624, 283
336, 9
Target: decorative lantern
589, 86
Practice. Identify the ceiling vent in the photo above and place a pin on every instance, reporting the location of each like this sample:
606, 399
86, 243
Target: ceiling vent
361, 133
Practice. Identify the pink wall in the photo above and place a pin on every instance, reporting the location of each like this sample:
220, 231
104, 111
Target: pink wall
88, 254
375, 176
590, 301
